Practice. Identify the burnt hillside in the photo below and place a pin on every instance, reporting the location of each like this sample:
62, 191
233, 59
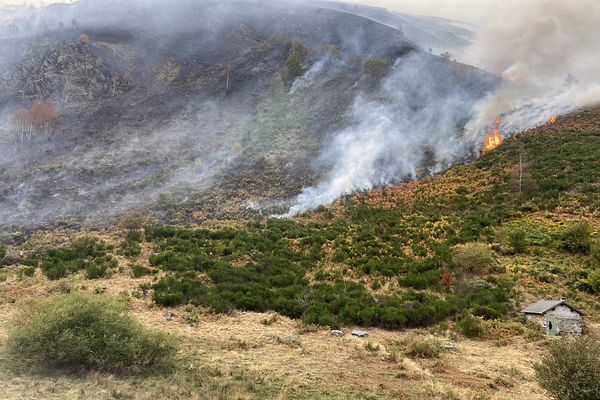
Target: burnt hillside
202, 106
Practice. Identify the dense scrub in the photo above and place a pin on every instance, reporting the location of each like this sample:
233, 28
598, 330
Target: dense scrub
85, 253
89, 332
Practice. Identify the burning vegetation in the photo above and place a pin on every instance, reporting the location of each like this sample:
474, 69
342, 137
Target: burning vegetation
493, 139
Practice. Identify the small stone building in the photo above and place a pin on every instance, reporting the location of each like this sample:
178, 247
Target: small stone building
556, 317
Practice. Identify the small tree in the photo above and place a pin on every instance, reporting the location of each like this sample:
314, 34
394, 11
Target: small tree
40, 117
44, 117
570, 370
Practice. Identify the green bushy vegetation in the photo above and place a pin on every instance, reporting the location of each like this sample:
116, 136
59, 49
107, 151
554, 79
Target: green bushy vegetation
577, 238
131, 247
138, 270
570, 370
282, 252
474, 258
87, 332
376, 68
293, 67
85, 253
469, 326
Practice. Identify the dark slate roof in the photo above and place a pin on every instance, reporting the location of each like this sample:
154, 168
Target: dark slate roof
542, 306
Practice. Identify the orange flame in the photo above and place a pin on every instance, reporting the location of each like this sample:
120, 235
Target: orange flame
553, 119
493, 140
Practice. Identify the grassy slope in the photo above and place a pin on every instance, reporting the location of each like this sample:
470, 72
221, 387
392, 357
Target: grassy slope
385, 241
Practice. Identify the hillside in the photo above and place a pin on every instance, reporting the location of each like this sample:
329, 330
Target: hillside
197, 109
251, 297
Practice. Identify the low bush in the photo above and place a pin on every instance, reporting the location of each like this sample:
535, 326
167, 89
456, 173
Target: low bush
474, 258
85, 253
570, 370
87, 332
469, 326
577, 238
138, 270
134, 220
419, 347
518, 240
595, 253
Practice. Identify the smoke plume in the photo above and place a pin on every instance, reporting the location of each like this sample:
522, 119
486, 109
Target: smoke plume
545, 51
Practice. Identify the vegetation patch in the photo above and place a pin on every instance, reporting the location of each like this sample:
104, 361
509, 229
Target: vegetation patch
86, 332
85, 253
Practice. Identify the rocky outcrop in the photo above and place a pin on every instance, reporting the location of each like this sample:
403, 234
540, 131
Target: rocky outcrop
68, 71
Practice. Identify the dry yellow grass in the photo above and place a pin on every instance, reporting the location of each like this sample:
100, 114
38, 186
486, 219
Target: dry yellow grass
315, 359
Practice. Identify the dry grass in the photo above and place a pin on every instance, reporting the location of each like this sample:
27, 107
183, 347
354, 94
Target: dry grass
282, 357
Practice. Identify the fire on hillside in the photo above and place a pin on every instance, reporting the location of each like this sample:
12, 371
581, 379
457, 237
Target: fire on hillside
493, 139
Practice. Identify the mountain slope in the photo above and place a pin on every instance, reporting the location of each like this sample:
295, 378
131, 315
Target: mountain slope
376, 259
218, 107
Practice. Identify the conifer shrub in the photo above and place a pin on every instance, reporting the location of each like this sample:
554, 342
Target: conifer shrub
518, 240
87, 332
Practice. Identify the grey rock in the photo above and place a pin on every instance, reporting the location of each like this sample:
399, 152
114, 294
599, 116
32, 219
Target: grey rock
448, 346
336, 333
291, 339
269, 336
359, 333
169, 315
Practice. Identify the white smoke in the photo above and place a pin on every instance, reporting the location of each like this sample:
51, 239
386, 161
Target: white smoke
418, 112
546, 52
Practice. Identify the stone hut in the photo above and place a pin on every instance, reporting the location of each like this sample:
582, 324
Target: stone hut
556, 317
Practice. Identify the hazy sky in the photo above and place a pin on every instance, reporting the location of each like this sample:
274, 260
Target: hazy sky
466, 10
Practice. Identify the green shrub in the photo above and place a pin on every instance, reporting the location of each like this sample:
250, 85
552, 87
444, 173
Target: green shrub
570, 370
419, 347
293, 67
577, 238
138, 271
594, 281
595, 253
376, 68
85, 253
469, 326
86, 332
26, 271
2, 252
474, 258
130, 247
518, 240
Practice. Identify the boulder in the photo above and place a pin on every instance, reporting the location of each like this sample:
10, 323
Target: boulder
360, 333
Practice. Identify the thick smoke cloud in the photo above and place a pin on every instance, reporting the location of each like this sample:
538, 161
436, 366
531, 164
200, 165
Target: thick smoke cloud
545, 51
412, 127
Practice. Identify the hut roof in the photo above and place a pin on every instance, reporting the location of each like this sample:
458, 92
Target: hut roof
542, 306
